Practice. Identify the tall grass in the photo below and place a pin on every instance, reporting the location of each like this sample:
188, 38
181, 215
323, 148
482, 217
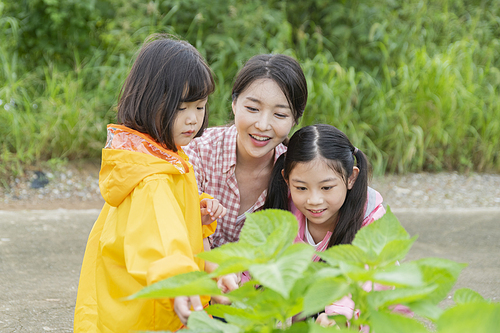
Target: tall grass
414, 84
431, 113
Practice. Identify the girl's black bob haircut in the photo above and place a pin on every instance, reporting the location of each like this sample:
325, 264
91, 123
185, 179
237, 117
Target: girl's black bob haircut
166, 73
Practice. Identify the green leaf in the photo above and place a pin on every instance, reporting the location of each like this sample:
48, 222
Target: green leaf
375, 236
343, 252
394, 250
244, 293
470, 317
229, 251
426, 309
322, 293
466, 295
384, 298
392, 323
280, 274
315, 328
442, 272
188, 284
199, 321
237, 316
269, 226
299, 327
406, 275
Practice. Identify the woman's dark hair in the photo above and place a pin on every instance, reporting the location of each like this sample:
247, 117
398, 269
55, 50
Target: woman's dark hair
166, 73
283, 70
334, 148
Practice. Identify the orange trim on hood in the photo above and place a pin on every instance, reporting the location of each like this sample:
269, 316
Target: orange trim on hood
125, 138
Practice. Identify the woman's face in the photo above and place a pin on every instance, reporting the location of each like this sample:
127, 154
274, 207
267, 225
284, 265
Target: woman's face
262, 117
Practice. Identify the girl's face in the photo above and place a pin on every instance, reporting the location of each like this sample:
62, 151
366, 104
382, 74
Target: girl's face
188, 121
262, 117
318, 191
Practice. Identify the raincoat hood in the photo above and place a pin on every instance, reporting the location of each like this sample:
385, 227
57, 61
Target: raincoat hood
129, 157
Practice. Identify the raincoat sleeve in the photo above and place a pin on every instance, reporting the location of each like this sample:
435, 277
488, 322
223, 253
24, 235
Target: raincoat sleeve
209, 229
157, 242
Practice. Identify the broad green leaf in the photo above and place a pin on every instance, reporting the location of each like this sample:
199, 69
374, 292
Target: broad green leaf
356, 272
280, 274
232, 266
188, 284
322, 293
466, 295
315, 328
426, 309
259, 226
199, 321
451, 266
237, 316
244, 293
300, 327
375, 236
442, 272
384, 298
392, 323
393, 251
229, 251
406, 275
344, 252
470, 317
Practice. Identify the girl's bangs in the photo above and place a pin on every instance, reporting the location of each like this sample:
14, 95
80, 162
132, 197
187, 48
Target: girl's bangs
199, 85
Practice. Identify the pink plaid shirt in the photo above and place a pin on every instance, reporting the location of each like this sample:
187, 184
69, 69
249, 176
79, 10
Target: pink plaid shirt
213, 157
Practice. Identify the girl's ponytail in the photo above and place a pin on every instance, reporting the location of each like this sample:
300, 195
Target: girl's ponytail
351, 213
277, 191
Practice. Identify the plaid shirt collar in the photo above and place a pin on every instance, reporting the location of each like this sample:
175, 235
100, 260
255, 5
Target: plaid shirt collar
230, 149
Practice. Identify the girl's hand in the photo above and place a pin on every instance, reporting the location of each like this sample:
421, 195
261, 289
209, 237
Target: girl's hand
324, 321
182, 306
211, 210
226, 283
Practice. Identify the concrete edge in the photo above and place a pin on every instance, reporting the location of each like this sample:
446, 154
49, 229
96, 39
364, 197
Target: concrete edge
489, 210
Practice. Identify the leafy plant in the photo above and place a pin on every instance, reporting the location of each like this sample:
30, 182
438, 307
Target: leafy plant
286, 282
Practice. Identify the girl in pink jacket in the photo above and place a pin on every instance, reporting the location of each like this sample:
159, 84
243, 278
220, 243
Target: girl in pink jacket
323, 180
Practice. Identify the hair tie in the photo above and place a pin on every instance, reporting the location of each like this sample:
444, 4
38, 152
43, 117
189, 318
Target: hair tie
355, 150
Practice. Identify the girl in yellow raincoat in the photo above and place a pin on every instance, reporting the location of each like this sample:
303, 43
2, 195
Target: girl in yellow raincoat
150, 227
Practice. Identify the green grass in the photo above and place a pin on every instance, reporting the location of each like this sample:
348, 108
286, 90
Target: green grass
415, 85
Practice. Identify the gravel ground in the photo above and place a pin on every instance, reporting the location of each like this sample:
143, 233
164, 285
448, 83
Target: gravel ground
76, 186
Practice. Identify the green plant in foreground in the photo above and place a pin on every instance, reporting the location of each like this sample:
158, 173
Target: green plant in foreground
290, 283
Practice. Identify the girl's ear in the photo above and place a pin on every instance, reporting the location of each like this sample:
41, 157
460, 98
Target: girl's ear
353, 177
283, 175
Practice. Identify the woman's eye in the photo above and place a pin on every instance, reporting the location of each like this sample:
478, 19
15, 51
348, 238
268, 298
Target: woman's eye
326, 188
300, 188
249, 108
280, 115
201, 108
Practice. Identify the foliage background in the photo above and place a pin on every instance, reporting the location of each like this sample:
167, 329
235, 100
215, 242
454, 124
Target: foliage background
415, 84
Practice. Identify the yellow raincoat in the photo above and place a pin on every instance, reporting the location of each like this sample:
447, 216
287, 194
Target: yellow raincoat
149, 229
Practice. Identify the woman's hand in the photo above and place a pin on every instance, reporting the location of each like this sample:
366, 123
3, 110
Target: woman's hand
211, 210
182, 306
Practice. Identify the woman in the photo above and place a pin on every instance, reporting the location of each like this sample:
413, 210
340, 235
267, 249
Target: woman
234, 163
